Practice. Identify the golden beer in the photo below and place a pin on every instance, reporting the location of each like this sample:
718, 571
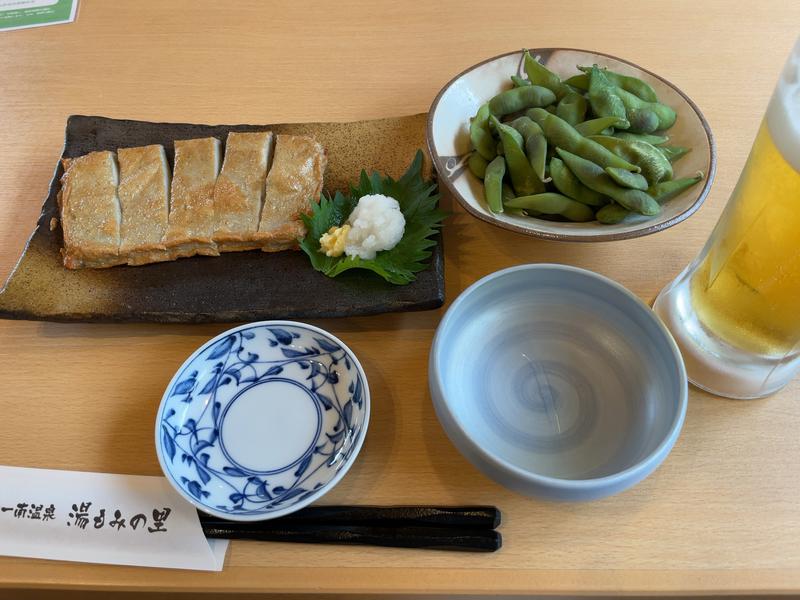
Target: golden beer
747, 288
734, 312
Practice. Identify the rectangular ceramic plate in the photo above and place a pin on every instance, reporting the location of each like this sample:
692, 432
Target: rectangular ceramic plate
237, 286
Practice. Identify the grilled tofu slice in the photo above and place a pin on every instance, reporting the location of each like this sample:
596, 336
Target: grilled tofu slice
239, 192
90, 211
144, 200
293, 183
191, 216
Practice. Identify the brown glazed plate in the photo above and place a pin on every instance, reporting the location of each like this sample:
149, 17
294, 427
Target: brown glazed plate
237, 286
459, 100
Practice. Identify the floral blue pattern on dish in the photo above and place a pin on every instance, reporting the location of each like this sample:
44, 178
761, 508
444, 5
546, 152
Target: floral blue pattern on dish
274, 363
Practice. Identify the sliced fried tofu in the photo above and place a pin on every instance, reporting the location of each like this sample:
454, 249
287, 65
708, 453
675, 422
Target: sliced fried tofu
144, 199
191, 216
239, 191
90, 211
293, 183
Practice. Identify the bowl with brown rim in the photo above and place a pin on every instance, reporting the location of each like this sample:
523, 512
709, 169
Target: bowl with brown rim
459, 100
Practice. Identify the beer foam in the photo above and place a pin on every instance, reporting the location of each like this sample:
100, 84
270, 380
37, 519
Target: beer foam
783, 113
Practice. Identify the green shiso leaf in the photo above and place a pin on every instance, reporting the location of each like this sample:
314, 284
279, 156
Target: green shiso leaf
418, 203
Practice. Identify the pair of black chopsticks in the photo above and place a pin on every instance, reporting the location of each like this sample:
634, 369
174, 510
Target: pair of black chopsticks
462, 528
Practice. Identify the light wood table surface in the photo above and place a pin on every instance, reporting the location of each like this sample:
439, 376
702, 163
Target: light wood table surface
720, 515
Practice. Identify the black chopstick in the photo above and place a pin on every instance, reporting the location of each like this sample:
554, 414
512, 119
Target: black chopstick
462, 528
438, 538
475, 517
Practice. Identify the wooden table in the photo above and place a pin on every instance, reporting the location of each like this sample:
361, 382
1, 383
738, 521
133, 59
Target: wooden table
719, 516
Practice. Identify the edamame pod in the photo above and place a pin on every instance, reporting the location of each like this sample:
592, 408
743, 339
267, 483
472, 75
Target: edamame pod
572, 108
521, 98
550, 203
507, 193
635, 181
580, 82
477, 165
535, 144
673, 153
519, 81
642, 120
538, 74
605, 102
655, 140
666, 116
594, 177
561, 134
612, 213
523, 178
493, 184
654, 166
569, 185
666, 190
479, 133
597, 126
634, 85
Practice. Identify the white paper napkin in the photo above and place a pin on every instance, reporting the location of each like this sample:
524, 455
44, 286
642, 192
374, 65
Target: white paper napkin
102, 518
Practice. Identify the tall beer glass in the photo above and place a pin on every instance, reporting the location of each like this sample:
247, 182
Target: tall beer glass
735, 310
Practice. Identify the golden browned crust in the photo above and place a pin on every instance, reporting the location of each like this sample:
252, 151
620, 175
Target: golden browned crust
191, 216
293, 183
110, 218
144, 200
239, 191
90, 214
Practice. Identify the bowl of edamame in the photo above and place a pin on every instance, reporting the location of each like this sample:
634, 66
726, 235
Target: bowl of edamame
571, 145
557, 382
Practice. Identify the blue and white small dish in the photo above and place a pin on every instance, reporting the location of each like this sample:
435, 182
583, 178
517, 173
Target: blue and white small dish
262, 420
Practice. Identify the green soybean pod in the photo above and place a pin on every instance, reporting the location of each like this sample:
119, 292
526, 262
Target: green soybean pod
653, 164
480, 135
673, 153
522, 175
666, 116
594, 177
580, 82
538, 74
519, 81
655, 140
635, 181
643, 120
507, 193
535, 144
521, 98
634, 85
477, 165
572, 108
550, 203
667, 190
569, 185
493, 184
605, 102
561, 134
611, 214
597, 126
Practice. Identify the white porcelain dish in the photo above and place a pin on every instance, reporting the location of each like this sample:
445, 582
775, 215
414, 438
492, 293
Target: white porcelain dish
262, 420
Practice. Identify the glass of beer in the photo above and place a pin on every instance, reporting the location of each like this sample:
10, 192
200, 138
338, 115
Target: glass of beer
735, 310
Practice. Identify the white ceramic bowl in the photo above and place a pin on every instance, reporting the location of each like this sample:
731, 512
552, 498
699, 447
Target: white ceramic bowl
262, 420
459, 100
557, 382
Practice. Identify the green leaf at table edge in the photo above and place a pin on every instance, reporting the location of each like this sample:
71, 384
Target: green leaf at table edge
418, 203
